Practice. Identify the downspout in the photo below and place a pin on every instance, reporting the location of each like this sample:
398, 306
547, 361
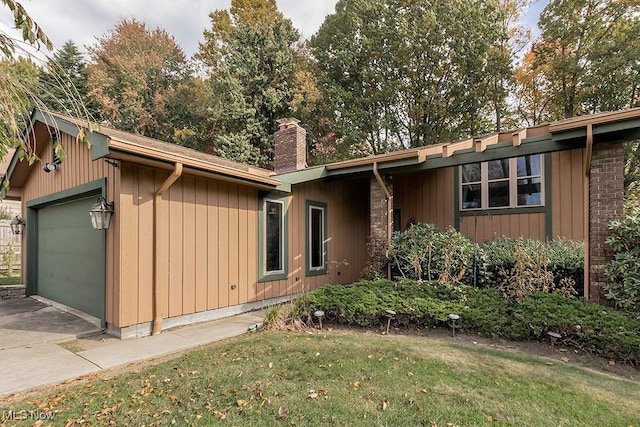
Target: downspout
389, 198
157, 292
587, 173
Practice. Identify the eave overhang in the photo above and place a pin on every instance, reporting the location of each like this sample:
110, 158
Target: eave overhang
558, 136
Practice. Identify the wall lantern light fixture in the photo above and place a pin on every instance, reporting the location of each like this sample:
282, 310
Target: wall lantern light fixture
101, 213
17, 225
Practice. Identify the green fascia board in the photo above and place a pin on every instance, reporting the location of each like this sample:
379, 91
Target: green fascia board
325, 246
7, 177
301, 176
262, 277
626, 127
98, 187
99, 142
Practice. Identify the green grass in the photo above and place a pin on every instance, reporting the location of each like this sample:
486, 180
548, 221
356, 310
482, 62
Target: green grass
12, 280
335, 379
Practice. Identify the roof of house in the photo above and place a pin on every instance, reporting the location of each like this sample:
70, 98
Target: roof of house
107, 142
561, 135
549, 137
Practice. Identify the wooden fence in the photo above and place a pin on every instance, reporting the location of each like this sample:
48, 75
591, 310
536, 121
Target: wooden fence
10, 247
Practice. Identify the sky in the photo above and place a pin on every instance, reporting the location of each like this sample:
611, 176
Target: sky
85, 20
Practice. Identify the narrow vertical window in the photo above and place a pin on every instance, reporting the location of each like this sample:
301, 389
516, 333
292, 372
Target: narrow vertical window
316, 238
273, 239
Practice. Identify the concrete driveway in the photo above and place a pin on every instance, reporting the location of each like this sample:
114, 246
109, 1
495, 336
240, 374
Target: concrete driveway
27, 321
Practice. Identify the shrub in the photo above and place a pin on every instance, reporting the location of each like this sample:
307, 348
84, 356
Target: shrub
530, 273
563, 258
623, 272
583, 325
424, 252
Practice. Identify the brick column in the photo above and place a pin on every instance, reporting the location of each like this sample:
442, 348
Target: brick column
606, 193
378, 214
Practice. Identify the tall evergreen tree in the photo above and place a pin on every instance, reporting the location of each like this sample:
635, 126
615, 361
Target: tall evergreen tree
66, 72
250, 54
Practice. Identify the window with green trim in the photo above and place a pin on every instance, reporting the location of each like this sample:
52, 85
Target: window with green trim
273, 238
316, 239
506, 183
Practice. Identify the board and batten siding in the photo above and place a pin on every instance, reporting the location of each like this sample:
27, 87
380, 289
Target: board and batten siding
77, 169
428, 197
425, 197
207, 241
347, 231
567, 197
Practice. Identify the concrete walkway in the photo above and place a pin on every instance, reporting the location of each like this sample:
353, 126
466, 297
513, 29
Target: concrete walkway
37, 364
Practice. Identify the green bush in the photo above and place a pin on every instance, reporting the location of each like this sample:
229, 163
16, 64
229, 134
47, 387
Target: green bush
583, 325
424, 252
623, 271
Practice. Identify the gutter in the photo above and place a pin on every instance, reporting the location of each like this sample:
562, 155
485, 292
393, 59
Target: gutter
389, 198
157, 292
586, 209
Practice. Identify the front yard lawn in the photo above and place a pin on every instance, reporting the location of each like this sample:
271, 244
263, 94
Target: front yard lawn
343, 378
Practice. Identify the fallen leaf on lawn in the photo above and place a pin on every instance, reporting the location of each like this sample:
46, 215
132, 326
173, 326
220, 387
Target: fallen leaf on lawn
38, 423
490, 419
383, 405
283, 413
242, 402
422, 391
565, 359
409, 374
173, 398
270, 364
312, 394
356, 384
317, 354
370, 356
223, 416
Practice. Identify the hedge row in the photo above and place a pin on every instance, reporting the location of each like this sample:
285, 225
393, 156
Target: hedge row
583, 325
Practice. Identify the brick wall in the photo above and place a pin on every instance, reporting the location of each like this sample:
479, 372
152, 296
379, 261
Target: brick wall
606, 193
12, 291
378, 225
290, 147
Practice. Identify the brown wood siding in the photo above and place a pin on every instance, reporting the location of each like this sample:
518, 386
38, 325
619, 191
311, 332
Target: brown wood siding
567, 200
529, 226
76, 170
347, 232
425, 197
207, 240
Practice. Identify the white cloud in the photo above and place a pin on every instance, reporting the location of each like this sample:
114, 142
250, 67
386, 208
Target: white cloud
85, 20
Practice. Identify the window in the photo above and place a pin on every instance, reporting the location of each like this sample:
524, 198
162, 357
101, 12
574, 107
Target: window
316, 226
506, 183
273, 238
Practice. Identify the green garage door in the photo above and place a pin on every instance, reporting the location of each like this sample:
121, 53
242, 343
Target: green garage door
71, 257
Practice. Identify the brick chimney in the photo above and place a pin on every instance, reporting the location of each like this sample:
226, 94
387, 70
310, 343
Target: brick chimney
290, 146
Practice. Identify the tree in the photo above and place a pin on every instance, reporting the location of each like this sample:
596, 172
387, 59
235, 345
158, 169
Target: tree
250, 54
66, 72
133, 74
400, 73
17, 94
531, 101
588, 53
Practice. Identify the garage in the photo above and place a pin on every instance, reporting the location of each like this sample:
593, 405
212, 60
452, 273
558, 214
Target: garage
70, 258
